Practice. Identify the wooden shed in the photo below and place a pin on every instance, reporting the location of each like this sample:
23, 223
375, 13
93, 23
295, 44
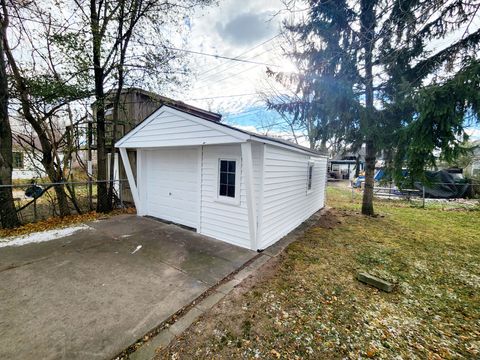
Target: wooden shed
239, 187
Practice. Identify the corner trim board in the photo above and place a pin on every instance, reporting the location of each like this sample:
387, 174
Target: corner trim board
249, 186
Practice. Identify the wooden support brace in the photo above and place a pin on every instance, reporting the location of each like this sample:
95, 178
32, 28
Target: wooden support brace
131, 179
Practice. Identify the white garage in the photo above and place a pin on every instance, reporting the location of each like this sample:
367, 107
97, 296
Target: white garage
242, 188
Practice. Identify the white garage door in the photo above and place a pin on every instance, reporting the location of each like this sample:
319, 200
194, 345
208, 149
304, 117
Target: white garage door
172, 185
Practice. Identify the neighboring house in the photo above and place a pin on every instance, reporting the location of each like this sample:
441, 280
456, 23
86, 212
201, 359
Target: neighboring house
473, 170
25, 165
22, 166
242, 188
343, 169
344, 166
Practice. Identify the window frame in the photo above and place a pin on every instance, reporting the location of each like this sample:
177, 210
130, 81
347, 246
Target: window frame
22, 160
310, 165
238, 168
109, 109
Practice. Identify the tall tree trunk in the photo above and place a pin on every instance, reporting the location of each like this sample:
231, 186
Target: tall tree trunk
126, 22
57, 177
116, 104
357, 166
99, 75
8, 215
367, 19
367, 203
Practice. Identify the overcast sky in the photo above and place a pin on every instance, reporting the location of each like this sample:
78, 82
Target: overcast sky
249, 28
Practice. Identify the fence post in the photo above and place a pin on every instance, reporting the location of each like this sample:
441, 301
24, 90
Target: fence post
120, 190
423, 196
34, 209
90, 190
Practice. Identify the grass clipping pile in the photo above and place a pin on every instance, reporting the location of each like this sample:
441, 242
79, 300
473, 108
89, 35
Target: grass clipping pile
308, 303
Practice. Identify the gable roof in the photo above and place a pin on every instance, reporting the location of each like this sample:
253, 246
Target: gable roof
239, 135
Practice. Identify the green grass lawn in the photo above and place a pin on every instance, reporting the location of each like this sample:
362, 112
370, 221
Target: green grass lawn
310, 305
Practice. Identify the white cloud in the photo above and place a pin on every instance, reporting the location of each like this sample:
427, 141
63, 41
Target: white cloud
246, 29
231, 29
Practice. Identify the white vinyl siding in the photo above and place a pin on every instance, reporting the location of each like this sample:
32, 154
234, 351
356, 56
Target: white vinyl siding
223, 221
286, 200
167, 128
178, 158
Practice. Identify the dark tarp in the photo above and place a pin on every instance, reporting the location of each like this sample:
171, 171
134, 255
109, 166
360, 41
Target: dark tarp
442, 184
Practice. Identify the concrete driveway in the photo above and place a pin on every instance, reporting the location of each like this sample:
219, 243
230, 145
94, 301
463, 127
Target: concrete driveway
90, 295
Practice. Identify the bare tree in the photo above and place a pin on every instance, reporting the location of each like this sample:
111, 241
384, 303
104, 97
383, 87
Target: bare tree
112, 25
8, 215
43, 96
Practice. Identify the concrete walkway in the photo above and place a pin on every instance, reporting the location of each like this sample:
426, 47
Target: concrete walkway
91, 295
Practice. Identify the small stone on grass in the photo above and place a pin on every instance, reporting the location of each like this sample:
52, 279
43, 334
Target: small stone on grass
375, 281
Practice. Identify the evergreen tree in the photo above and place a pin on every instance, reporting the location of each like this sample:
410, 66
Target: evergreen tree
398, 94
322, 100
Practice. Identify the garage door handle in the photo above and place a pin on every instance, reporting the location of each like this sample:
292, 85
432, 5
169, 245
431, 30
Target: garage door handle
170, 193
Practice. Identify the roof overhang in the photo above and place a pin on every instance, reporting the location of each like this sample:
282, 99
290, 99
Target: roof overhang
236, 135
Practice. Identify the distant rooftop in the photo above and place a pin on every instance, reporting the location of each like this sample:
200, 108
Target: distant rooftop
163, 100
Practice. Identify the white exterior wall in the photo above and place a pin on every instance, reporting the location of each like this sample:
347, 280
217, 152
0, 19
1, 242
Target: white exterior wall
286, 202
279, 174
32, 168
169, 128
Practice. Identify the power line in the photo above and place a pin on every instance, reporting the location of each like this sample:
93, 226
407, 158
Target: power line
208, 77
223, 96
221, 57
245, 52
227, 77
166, 47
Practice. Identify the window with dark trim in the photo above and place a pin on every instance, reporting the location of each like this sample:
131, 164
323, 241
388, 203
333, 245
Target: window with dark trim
310, 176
227, 172
17, 162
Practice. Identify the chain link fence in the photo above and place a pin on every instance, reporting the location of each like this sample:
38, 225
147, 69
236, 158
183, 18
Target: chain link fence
431, 195
39, 200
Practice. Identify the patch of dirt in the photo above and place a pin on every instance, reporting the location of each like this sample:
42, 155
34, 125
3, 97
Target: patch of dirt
330, 219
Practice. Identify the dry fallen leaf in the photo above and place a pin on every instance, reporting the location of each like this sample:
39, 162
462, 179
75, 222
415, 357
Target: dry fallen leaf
372, 352
275, 353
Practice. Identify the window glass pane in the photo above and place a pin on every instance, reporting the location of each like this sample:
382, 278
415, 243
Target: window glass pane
223, 190
223, 165
17, 160
231, 166
231, 191
231, 179
223, 178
